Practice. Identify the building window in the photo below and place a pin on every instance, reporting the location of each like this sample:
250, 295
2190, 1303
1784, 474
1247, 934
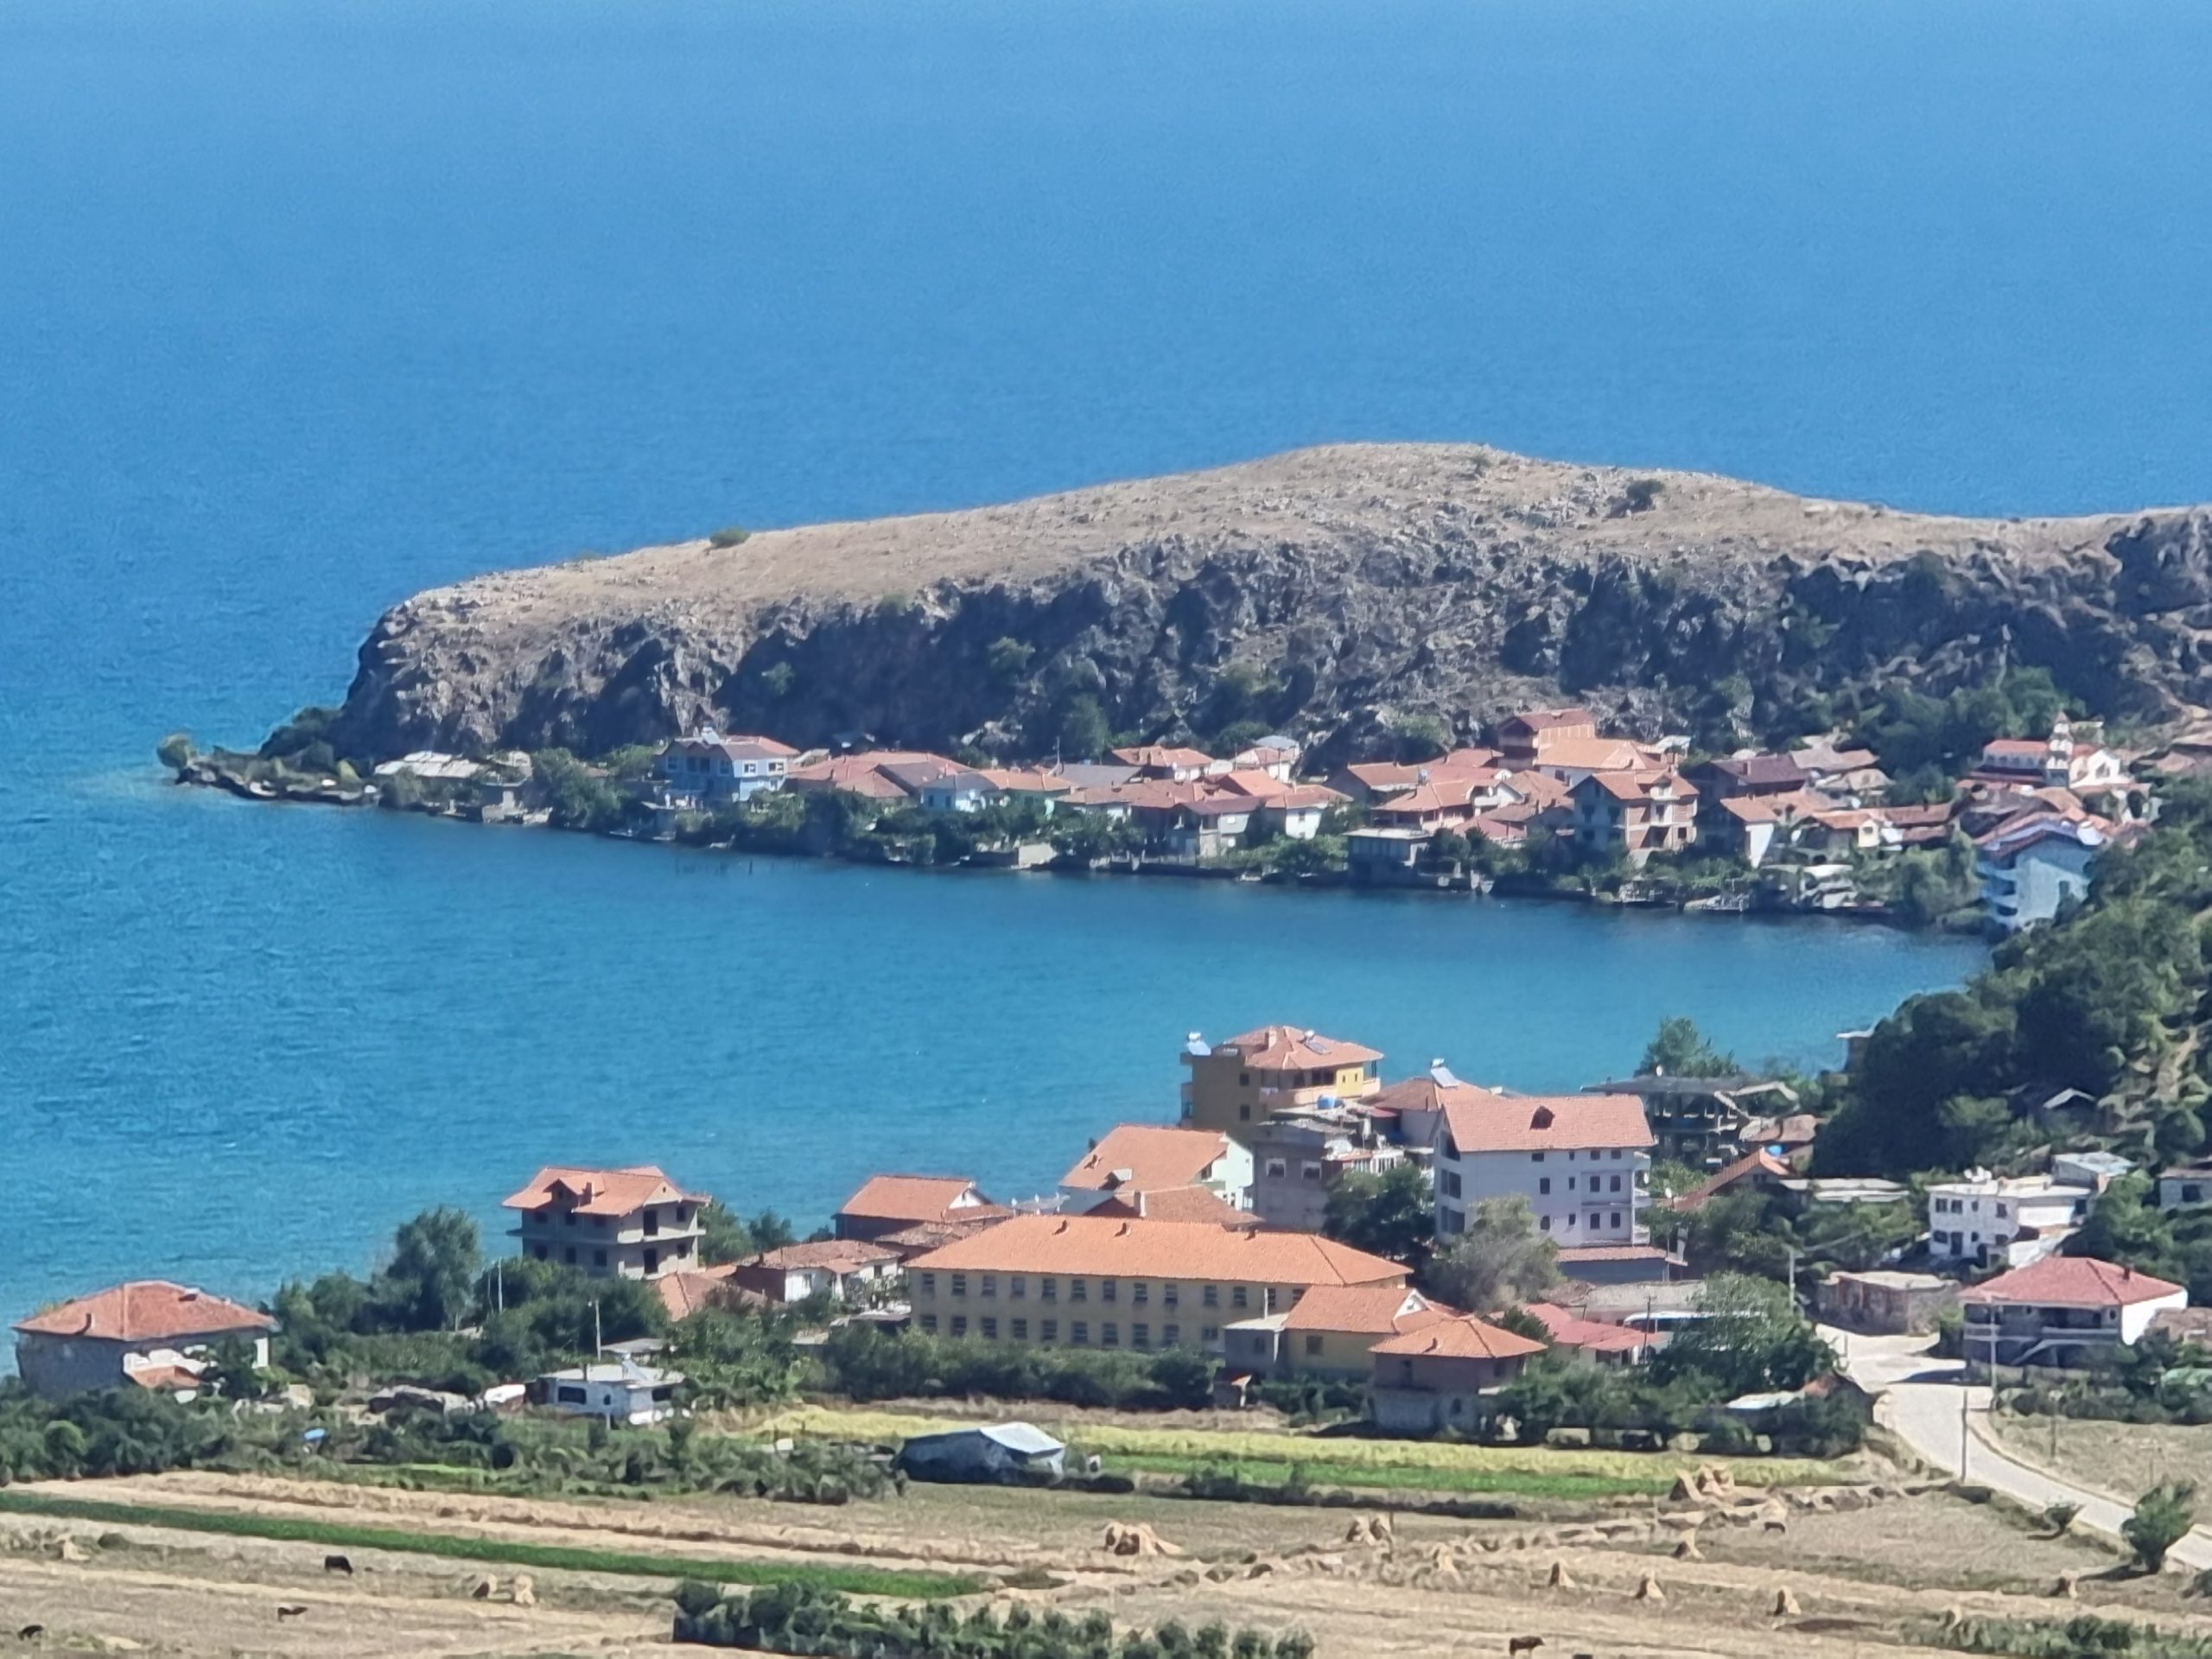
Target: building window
1140, 1336
960, 1325
1170, 1294
1049, 1289
1170, 1335
960, 1284
1309, 1172
1106, 1290
539, 1251
1313, 1344
1048, 1331
1239, 1296
1020, 1329
1614, 1153
1210, 1296
599, 1258
1244, 1079
1109, 1335
990, 1329
1616, 1220
1615, 1185
929, 1284
1078, 1332
1544, 1184
1079, 1290
990, 1284
1210, 1333
1277, 1169
570, 1255
929, 1323
1451, 1179
1017, 1287
1140, 1292
1536, 1157
1545, 1222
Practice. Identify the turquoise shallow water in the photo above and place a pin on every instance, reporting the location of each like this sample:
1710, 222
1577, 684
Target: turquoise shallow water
304, 308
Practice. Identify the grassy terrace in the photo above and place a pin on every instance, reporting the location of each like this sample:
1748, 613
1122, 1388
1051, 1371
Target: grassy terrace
852, 1581
1340, 1460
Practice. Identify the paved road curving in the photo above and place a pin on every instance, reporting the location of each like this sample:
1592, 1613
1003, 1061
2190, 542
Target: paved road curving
1923, 1402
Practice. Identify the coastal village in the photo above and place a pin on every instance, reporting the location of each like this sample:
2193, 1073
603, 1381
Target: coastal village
1550, 805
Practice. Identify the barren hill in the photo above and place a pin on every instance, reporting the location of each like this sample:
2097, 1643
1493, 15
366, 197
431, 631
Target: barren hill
1331, 591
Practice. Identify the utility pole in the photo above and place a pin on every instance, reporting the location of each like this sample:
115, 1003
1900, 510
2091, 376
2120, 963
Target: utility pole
1965, 1394
598, 1342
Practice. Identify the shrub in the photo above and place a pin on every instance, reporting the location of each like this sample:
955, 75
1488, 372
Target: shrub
728, 536
2162, 1519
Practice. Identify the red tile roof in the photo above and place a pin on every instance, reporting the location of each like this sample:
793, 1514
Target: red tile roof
1141, 1156
601, 1191
1105, 1248
1483, 1122
920, 1199
1546, 720
1175, 1203
1365, 1309
2071, 1282
1594, 755
1150, 756
1639, 785
147, 1310
688, 1292
842, 1255
1464, 1338
1570, 1329
1285, 1048
1759, 1161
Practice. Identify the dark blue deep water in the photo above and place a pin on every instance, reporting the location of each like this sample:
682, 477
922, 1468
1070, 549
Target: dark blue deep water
303, 307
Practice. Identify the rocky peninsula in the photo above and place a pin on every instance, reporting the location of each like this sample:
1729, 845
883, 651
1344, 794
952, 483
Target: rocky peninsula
1338, 591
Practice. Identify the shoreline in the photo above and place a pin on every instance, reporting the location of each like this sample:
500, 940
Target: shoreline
208, 772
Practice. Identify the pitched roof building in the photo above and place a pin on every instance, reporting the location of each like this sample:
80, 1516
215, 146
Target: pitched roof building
2063, 1310
150, 1333
1578, 1160
609, 1223
1135, 1158
892, 1203
1236, 1084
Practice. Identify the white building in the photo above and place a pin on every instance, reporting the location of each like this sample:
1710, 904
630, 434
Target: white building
1134, 1158
2061, 1311
1580, 1160
709, 767
1981, 1220
2063, 760
844, 1270
614, 1390
2031, 864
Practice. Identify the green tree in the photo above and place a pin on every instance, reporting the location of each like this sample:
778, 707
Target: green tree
1390, 1214
429, 1283
778, 678
1082, 731
1008, 659
725, 1238
175, 751
576, 796
1751, 1339
2163, 1518
1420, 737
1679, 1050
1501, 1259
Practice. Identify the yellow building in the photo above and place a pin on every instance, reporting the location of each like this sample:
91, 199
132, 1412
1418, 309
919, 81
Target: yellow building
1097, 1281
1234, 1084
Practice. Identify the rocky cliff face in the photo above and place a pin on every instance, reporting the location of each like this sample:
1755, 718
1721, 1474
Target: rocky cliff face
1336, 592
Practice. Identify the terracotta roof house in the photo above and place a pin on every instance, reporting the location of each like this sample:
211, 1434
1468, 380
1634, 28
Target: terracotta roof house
1524, 739
1174, 1204
1589, 1339
1578, 1160
1432, 1377
1742, 777
609, 1223
1176, 764
2063, 1310
878, 774
148, 1333
1234, 1084
844, 1270
1755, 1168
1139, 1284
1640, 812
1571, 760
1135, 1158
891, 1203
694, 1290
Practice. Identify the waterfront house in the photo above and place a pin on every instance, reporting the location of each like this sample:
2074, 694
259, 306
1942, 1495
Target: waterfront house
1369, 781
1332, 1332
2034, 864
1886, 1302
1234, 1084
1432, 1378
887, 775
844, 1270
1747, 777
1294, 811
1299, 1153
2070, 758
1580, 1160
1097, 1281
608, 1224
616, 1391
1132, 1159
1384, 856
709, 768
1982, 1220
1429, 806
1640, 812
2063, 1310
1525, 738
148, 1333
891, 1203
1709, 1123
1208, 827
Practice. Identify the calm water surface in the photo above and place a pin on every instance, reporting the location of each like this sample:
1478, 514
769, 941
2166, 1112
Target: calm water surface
303, 308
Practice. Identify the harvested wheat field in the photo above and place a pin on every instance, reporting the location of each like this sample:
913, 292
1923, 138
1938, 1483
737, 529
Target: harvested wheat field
1860, 1569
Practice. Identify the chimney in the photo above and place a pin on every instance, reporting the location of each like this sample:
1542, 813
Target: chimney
1122, 1231
1062, 1228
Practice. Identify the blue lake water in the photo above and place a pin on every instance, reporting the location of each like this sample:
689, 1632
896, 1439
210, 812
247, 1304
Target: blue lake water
303, 307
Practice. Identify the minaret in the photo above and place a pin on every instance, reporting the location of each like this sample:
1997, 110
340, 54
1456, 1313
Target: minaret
2058, 768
